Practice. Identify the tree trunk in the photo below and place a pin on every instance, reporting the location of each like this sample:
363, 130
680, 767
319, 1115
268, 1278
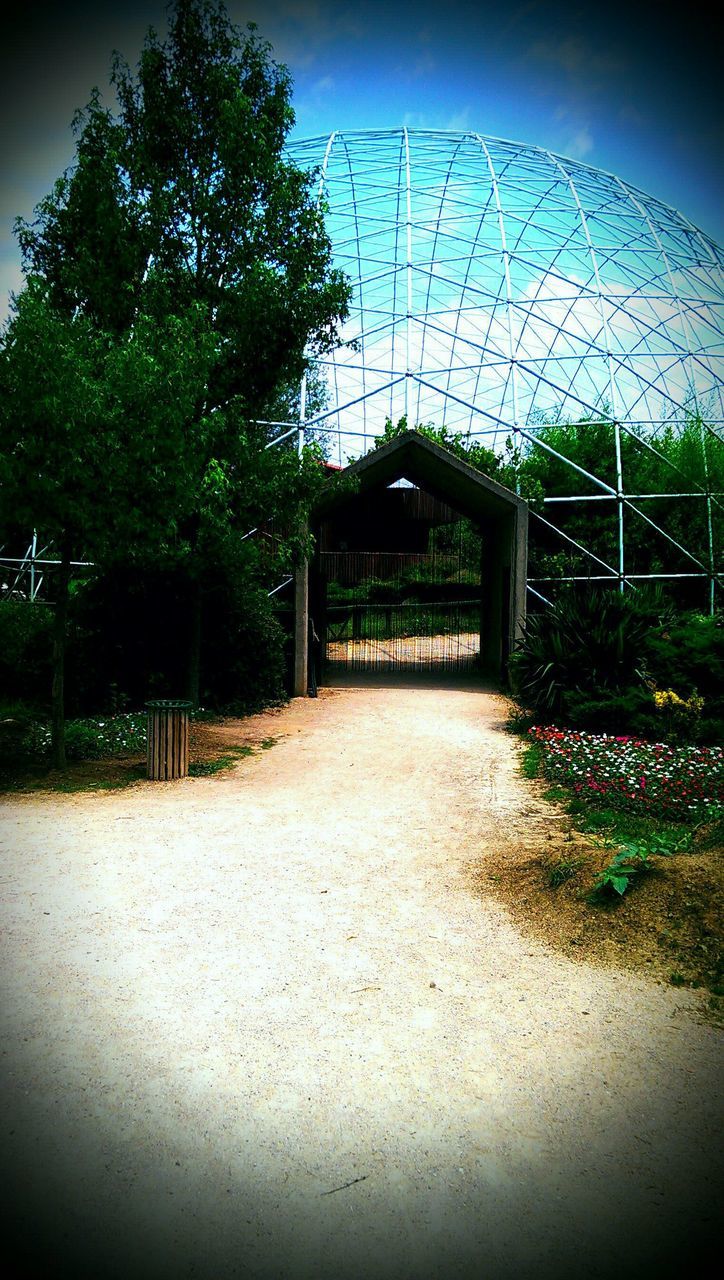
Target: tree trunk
193, 674
60, 624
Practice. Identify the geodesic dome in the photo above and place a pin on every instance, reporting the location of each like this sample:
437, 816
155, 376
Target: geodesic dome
497, 284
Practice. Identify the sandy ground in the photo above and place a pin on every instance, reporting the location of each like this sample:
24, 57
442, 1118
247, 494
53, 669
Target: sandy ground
265, 1025
402, 651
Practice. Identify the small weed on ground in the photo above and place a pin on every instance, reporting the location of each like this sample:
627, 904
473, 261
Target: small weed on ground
562, 869
635, 857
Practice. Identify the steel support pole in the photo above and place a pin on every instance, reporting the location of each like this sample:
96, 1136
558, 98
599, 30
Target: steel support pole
512, 350
33, 553
710, 525
301, 630
619, 504
302, 414
408, 267
614, 412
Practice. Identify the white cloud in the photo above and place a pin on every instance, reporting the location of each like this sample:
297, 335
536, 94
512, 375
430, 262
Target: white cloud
460, 121
576, 139
416, 120
422, 65
556, 330
579, 144
577, 58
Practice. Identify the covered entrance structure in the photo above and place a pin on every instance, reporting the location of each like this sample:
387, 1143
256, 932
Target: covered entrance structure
420, 562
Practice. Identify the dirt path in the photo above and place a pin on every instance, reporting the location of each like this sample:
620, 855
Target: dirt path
227, 998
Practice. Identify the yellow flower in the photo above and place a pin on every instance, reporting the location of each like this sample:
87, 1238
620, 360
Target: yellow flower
670, 700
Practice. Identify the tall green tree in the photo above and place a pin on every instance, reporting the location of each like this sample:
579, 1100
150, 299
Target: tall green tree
179, 279
93, 444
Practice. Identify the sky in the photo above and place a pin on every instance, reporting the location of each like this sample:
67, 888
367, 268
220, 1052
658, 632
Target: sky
625, 87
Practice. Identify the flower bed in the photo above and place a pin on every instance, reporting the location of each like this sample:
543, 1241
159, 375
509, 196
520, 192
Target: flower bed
93, 738
628, 773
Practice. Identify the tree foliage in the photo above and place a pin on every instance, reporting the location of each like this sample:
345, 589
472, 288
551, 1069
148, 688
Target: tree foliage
179, 278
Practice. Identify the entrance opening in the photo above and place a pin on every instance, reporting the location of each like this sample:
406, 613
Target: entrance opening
407, 601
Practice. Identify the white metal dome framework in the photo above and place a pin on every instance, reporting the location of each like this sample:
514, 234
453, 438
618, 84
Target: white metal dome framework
497, 285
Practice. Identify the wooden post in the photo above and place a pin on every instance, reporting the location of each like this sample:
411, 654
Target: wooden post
301, 631
167, 753
519, 582
493, 594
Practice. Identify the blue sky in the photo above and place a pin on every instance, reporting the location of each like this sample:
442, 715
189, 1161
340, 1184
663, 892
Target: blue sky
619, 86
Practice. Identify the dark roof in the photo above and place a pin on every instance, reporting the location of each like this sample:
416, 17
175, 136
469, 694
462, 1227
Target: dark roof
411, 456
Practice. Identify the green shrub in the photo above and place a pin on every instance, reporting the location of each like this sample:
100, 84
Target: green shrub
92, 738
635, 857
131, 632
25, 651
687, 655
590, 643
16, 723
609, 711
596, 660
243, 654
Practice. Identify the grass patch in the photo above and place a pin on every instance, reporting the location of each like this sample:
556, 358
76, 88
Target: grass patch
532, 760
207, 768
621, 828
555, 794
562, 869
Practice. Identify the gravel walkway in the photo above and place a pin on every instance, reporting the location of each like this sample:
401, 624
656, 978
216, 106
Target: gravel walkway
263, 1025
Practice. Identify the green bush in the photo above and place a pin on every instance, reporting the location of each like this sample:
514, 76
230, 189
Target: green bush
244, 664
26, 648
688, 655
92, 738
131, 632
590, 643
16, 723
610, 711
595, 660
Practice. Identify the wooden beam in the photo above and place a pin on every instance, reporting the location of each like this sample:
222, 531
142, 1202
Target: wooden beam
301, 631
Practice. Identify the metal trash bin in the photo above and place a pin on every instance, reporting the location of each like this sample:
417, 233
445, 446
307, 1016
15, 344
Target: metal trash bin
167, 752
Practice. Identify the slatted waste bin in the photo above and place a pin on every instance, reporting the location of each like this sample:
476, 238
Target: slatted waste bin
168, 739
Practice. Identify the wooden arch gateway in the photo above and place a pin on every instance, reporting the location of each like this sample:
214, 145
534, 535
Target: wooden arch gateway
371, 508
